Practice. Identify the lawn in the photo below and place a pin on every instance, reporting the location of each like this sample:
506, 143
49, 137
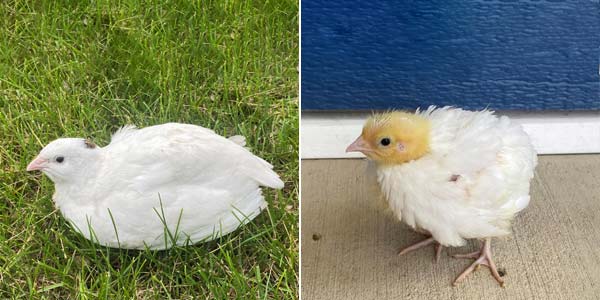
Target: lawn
85, 68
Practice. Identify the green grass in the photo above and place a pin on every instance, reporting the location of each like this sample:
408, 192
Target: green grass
84, 68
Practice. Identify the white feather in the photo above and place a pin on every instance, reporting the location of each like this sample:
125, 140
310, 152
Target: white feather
179, 177
238, 139
495, 160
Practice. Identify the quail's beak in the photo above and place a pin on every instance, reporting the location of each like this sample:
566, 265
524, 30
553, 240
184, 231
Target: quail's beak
37, 164
359, 146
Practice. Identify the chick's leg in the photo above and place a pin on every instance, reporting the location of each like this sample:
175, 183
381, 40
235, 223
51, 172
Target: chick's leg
482, 257
421, 244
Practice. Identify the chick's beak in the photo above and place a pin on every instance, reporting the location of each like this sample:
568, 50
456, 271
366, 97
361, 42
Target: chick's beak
359, 146
37, 164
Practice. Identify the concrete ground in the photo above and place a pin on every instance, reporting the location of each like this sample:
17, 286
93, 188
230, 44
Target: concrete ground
350, 242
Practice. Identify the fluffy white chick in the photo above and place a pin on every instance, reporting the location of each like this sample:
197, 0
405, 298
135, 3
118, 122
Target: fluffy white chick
452, 174
156, 187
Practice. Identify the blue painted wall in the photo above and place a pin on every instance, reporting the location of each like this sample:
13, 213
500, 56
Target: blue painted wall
498, 54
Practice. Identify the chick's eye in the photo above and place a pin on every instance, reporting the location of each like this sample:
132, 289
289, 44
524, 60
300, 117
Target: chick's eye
60, 159
385, 141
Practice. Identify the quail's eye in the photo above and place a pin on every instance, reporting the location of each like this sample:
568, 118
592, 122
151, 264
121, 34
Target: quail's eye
385, 141
60, 159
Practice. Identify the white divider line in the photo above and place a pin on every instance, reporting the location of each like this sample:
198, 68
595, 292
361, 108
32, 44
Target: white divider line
326, 134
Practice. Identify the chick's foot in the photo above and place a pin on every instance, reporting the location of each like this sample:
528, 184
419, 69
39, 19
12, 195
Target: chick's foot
438, 247
482, 257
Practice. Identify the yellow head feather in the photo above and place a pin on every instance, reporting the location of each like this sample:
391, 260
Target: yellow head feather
396, 137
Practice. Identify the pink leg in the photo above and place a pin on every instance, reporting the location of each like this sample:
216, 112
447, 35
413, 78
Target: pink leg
438, 251
473, 255
421, 244
483, 257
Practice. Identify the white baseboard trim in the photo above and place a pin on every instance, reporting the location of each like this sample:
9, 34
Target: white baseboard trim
327, 134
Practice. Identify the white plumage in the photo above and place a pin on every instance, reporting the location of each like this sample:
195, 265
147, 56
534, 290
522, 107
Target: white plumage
451, 174
494, 161
157, 186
